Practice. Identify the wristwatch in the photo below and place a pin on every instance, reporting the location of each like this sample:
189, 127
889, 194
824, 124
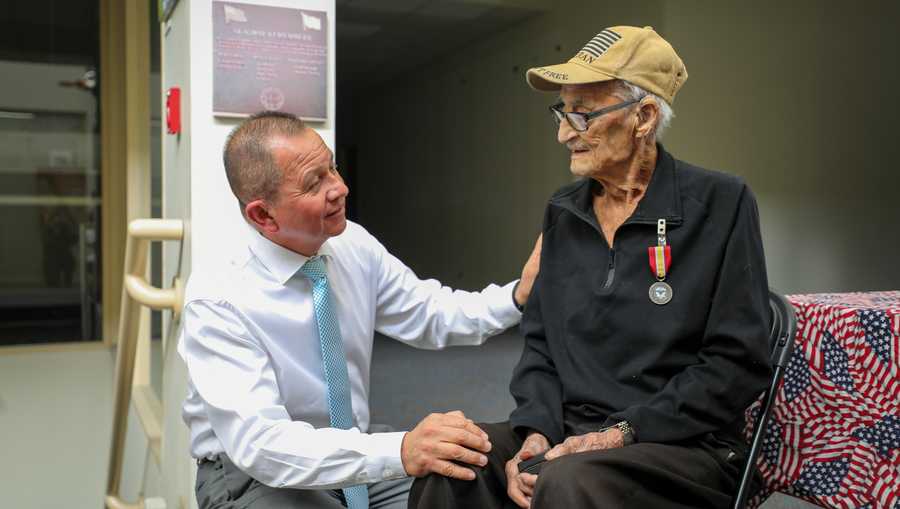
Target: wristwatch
625, 428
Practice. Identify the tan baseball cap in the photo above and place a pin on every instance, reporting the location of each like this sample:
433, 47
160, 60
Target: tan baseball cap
637, 55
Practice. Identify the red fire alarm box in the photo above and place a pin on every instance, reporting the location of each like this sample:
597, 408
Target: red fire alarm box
173, 110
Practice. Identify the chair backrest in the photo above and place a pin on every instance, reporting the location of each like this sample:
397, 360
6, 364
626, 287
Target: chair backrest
784, 328
781, 340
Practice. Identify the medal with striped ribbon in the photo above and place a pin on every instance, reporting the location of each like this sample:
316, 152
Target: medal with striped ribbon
660, 260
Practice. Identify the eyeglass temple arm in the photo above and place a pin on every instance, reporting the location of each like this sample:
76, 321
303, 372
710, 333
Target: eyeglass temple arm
608, 109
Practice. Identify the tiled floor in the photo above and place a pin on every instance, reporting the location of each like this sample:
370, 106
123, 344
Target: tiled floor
55, 420
779, 501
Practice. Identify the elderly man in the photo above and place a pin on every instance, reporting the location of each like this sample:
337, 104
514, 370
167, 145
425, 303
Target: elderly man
645, 335
278, 344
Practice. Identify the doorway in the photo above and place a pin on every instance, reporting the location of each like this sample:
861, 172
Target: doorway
50, 214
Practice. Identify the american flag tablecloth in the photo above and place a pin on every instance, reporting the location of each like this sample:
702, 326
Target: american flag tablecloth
834, 435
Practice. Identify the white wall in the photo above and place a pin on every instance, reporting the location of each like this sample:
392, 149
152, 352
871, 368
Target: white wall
457, 159
177, 470
798, 98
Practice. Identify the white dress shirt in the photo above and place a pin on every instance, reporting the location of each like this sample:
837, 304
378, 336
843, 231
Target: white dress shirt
257, 388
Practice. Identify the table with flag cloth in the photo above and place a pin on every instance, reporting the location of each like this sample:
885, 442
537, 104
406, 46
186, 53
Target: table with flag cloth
834, 435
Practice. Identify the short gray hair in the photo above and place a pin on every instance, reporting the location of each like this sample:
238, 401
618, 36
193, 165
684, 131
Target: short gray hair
249, 166
634, 92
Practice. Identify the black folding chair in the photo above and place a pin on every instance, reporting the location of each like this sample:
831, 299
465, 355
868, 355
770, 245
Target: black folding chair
784, 328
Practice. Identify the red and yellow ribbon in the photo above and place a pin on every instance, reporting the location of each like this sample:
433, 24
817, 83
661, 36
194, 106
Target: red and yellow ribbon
660, 260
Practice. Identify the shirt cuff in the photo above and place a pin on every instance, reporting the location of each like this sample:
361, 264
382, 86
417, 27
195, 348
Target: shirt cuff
521, 308
506, 308
385, 452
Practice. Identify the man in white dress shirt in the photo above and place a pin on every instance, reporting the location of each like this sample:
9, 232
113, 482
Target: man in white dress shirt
259, 405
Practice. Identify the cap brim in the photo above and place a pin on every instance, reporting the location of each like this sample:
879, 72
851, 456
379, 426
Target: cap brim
552, 77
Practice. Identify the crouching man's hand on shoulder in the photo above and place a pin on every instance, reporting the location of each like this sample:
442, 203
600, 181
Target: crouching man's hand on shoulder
529, 273
440, 442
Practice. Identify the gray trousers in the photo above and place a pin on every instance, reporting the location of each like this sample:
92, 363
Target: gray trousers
221, 485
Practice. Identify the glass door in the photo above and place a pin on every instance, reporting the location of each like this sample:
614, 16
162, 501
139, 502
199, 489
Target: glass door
49, 172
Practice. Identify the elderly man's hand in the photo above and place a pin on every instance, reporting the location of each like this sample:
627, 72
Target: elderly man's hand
439, 441
596, 441
529, 272
520, 486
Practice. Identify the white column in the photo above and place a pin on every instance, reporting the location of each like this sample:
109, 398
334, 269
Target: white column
195, 189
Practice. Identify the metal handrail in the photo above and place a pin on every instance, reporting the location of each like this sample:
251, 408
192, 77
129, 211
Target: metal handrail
132, 379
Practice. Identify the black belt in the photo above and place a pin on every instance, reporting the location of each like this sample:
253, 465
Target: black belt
213, 459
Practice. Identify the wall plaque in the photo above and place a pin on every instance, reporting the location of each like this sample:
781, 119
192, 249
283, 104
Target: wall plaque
269, 58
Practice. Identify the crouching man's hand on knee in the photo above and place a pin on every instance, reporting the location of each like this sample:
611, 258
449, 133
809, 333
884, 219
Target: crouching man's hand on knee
520, 486
439, 441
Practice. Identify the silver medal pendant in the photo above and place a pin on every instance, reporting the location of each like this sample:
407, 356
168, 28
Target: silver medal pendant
660, 293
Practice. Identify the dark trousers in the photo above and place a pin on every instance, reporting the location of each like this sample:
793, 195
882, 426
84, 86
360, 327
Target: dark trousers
695, 475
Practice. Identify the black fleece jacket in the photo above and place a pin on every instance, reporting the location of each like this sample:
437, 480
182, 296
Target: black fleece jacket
598, 351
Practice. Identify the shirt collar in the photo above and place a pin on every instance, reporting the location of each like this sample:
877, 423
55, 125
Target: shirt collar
280, 261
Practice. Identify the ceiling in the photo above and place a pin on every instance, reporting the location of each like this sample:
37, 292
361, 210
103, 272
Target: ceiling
376, 39
381, 39
50, 31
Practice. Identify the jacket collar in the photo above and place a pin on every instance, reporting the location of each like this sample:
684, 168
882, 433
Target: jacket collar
662, 200
281, 262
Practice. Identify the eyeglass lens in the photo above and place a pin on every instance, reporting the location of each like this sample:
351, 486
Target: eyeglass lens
575, 120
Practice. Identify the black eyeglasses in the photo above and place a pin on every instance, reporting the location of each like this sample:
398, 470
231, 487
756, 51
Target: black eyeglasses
579, 121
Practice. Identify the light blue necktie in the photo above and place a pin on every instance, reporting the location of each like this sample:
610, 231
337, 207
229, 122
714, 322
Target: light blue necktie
340, 406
